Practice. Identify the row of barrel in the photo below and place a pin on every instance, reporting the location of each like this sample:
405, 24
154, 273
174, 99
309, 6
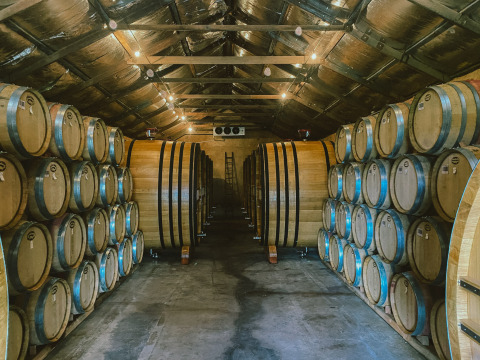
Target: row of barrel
285, 185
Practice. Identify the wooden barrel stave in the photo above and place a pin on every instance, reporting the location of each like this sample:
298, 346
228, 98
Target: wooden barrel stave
98, 231
376, 184
353, 258
125, 185
30, 242
18, 333
329, 206
4, 301
49, 188
84, 186
391, 131
352, 183
14, 190
25, 123
68, 132
107, 186
363, 227
131, 218
116, 146
343, 220
343, 143
335, 252
96, 140
138, 246
107, 265
438, 328
83, 282
363, 140
323, 244
376, 278
335, 182
125, 258
116, 218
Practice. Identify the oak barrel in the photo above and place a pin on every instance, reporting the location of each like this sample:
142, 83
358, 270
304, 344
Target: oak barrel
363, 227
96, 140
443, 116
48, 311
107, 185
83, 283
98, 231
363, 140
25, 123
463, 273
49, 188
4, 301
390, 236
125, 185
352, 183
336, 252
410, 184
438, 328
116, 146
411, 303
138, 246
107, 265
116, 218
376, 184
165, 176
335, 181
329, 208
68, 133
343, 220
131, 218
84, 186
343, 144
125, 257
376, 278
69, 239
323, 242
391, 131
28, 256
18, 334
353, 258
14, 190
450, 174
259, 184
427, 249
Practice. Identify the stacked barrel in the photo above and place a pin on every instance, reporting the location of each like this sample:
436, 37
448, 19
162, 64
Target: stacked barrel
393, 196
68, 227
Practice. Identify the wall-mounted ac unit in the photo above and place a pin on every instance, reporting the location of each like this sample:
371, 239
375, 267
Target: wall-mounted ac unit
229, 131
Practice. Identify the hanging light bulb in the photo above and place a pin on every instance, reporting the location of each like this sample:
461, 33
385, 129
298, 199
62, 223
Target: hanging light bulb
267, 71
298, 31
284, 95
314, 56
190, 128
170, 98
137, 53
183, 117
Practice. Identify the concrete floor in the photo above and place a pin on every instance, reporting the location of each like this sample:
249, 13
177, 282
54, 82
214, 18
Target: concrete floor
229, 303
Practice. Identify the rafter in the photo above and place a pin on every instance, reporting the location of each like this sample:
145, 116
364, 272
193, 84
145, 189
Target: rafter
222, 60
236, 28
324, 11
229, 106
228, 80
218, 114
17, 7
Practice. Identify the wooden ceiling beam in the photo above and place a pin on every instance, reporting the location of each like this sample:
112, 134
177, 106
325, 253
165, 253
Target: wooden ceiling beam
229, 106
229, 28
227, 80
218, 114
223, 60
233, 97
321, 9
17, 7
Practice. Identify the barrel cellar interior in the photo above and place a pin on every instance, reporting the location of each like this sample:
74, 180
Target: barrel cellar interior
239, 179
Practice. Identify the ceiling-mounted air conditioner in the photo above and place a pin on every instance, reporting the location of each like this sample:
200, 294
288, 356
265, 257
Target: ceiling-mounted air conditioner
229, 131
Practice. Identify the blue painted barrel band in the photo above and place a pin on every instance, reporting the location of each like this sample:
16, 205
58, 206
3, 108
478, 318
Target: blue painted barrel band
446, 119
101, 270
400, 131
77, 282
358, 183
463, 104
135, 254
370, 145
421, 310
370, 227
77, 179
12, 258
400, 231
60, 242
358, 266
121, 257
111, 146
472, 160
348, 141
476, 96
12, 128
332, 207
384, 284
90, 223
326, 242
128, 220
339, 172
112, 216
103, 184
121, 191
421, 187
340, 245
58, 132
38, 188
383, 183
40, 310
90, 144
348, 220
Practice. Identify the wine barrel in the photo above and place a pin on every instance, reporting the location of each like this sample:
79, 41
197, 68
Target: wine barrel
125, 257
253, 174
410, 184
411, 304
336, 252
98, 231
69, 239
246, 184
363, 227
363, 141
391, 131
18, 334
343, 144
25, 123
352, 183
329, 207
107, 265
443, 116
450, 174
259, 184
84, 186
116, 146
376, 278
323, 242
335, 181
83, 283
108, 186
49, 188
28, 256
376, 184
438, 328
68, 133
14, 190
48, 311
96, 140
166, 177
427, 249
116, 218
353, 258
343, 220
131, 218
390, 236
125, 185
138, 245
463, 273
4, 304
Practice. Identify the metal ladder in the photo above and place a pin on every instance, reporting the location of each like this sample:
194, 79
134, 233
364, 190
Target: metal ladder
231, 184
